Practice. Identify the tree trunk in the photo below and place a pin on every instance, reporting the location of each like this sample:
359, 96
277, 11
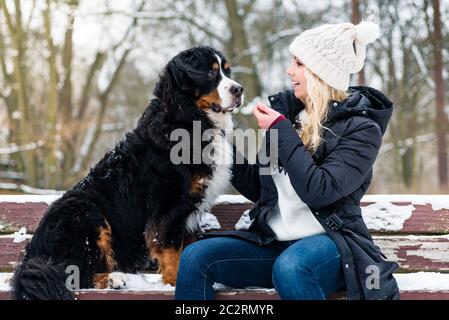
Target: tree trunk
51, 161
237, 44
441, 118
356, 17
68, 142
25, 122
104, 97
10, 100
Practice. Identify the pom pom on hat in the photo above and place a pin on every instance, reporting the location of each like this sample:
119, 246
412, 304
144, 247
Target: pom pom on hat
367, 32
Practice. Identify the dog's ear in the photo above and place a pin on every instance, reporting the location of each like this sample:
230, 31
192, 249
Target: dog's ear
177, 73
186, 77
173, 78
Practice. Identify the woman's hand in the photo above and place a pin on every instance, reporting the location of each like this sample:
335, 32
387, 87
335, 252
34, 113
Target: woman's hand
265, 115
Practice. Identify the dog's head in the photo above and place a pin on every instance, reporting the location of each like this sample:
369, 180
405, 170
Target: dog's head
200, 75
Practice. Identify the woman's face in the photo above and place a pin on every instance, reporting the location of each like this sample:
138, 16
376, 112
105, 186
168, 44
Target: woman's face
299, 84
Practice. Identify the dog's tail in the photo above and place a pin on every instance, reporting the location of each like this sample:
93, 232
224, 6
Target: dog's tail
38, 279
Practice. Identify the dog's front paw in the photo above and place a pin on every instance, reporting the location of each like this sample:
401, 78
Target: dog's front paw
117, 280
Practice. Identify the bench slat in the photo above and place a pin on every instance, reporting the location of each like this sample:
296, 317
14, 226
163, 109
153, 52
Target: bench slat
10, 253
13, 216
416, 253
426, 220
413, 253
423, 220
420, 285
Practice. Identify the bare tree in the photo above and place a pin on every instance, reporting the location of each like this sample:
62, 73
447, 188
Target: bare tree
47, 114
18, 98
400, 71
441, 117
238, 43
356, 17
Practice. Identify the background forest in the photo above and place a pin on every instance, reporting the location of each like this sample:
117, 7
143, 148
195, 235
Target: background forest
75, 75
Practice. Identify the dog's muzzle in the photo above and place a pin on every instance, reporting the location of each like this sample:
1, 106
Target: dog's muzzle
237, 93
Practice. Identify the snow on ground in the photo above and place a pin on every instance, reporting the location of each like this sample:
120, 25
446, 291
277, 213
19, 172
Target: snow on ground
231, 198
29, 190
4, 281
429, 281
438, 201
209, 222
19, 236
425, 281
144, 282
244, 221
384, 215
48, 199
137, 282
432, 281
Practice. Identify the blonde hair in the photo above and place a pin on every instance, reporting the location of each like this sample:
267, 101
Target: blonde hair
319, 94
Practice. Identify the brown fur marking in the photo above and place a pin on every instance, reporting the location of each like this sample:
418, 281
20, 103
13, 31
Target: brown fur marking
205, 102
168, 263
198, 184
168, 258
101, 280
104, 243
215, 66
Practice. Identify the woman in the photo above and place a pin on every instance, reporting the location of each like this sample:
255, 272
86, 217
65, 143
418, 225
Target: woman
307, 238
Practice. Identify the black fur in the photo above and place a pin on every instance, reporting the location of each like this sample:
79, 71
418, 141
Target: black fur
135, 187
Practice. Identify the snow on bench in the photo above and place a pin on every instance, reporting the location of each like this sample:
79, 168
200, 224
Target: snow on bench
410, 229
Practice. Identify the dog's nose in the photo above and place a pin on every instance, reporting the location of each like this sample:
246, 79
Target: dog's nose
236, 90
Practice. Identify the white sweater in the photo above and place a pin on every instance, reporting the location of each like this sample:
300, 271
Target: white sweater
291, 218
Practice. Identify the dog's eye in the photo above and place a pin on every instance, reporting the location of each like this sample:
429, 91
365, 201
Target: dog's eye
212, 73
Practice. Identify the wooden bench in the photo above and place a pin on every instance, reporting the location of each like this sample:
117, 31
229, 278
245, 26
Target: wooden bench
410, 229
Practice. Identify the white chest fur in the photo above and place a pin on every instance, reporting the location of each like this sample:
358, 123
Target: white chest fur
222, 158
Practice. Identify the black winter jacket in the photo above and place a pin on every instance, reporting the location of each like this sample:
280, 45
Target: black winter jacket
331, 182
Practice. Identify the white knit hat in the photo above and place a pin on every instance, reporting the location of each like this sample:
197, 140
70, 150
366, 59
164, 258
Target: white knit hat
328, 50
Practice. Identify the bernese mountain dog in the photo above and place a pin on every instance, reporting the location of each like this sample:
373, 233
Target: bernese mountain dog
137, 205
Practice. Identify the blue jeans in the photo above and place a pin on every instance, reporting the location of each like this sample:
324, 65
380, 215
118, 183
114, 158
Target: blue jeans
309, 268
